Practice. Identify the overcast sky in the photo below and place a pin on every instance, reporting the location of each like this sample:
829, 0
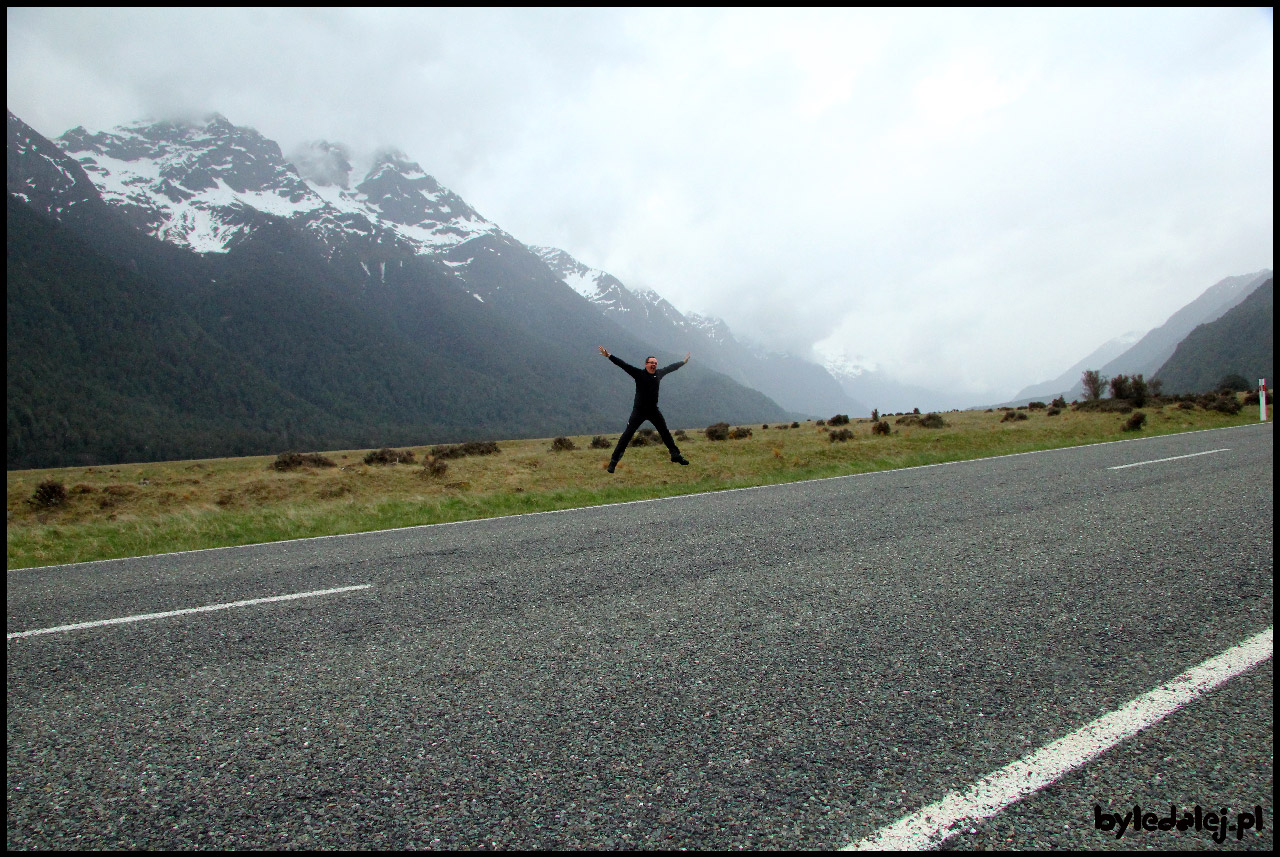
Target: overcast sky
970, 200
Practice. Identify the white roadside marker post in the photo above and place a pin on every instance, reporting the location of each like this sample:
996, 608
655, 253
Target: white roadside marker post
1262, 400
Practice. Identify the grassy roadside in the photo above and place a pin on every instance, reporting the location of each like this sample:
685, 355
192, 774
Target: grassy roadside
142, 509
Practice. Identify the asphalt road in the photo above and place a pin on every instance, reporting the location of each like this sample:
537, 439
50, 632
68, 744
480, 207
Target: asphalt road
789, 667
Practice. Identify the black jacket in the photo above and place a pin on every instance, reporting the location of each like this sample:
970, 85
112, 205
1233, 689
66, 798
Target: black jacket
646, 384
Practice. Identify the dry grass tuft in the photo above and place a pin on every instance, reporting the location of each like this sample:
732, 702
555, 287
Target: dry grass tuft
131, 509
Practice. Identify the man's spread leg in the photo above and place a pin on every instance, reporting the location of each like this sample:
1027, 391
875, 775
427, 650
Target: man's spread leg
632, 424
660, 423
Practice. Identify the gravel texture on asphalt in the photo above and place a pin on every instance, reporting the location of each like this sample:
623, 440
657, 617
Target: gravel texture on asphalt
787, 667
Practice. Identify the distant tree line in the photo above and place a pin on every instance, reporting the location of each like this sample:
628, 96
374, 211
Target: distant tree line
1136, 392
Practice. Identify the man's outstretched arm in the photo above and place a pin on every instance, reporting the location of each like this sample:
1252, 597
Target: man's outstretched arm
674, 366
623, 365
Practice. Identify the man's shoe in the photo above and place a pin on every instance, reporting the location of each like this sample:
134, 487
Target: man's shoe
679, 459
612, 464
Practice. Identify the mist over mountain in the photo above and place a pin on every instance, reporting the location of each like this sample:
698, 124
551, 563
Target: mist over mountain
1150, 352
798, 385
1239, 342
209, 296
179, 289
323, 164
1101, 356
893, 396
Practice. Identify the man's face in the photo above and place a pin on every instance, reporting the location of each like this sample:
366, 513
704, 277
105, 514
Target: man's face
651, 365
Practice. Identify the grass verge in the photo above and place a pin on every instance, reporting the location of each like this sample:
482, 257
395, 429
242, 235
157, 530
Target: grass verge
143, 509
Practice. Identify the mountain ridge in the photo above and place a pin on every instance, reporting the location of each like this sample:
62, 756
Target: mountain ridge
1153, 349
804, 388
1239, 342
396, 203
366, 341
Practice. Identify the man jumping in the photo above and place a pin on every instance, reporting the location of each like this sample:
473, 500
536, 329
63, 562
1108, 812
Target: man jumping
645, 406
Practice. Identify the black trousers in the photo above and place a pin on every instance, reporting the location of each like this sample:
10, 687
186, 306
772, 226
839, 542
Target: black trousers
637, 417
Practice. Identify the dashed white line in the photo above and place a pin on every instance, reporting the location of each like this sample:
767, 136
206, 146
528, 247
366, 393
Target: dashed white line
1174, 458
931, 825
145, 616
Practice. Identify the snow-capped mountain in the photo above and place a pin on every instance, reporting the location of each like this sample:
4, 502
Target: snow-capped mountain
41, 177
841, 364
208, 184
202, 185
431, 218
867, 382
631, 308
181, 289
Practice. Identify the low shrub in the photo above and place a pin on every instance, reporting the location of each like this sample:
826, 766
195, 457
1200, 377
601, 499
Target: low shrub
840, 435
1036, 406
563, 444
1013, 416
1105, 406
881, 427
390, 456
839, 420
740, 433
644, 437
433, 468
49, 495
1226, 403
601, 442
718, 431
795, 425
286, 461
1052, 412
1135, 422
926, 421
461, 450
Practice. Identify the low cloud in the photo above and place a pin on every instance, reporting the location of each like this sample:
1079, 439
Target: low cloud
971, 199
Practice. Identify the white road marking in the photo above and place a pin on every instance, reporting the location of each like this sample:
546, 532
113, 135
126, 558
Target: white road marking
145, 616
1174, 458
931, 825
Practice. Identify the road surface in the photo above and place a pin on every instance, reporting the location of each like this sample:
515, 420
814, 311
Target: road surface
791, 667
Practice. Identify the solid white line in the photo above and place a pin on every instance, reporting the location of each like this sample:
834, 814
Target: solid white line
931, 825
145, 616
1175, 458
